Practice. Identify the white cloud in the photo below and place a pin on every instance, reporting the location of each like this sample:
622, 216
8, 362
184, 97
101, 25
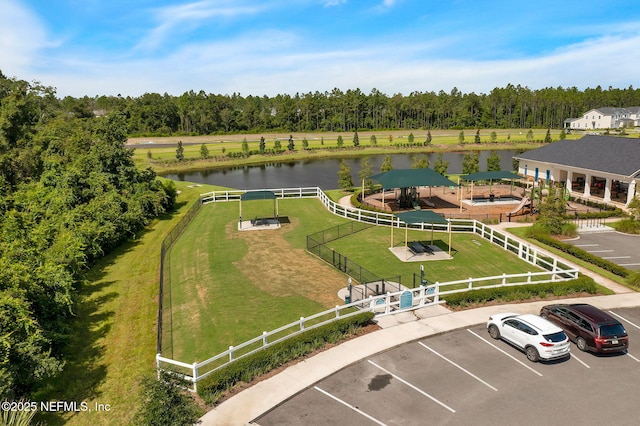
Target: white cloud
178, 17
332, 3
22, 35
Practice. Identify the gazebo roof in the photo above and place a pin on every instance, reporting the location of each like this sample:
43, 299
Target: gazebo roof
493, 175
421, 216
258, 195
406, 178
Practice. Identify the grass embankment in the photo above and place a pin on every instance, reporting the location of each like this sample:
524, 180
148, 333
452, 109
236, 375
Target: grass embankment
320, 145
113, 341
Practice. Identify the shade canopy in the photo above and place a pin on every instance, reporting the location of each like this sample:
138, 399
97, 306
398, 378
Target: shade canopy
258, 195
407, 178
493, 175
421, 216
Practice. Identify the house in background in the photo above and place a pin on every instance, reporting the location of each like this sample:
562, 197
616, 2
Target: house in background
604, 169
605, 118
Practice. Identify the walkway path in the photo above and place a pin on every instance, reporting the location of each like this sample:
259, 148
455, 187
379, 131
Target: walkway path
395, 330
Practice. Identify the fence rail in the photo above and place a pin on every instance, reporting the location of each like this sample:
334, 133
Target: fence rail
387, 304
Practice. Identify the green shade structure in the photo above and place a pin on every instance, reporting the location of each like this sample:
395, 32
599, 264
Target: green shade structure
421, 216
260, 195
490, 176
410, 178
407, 178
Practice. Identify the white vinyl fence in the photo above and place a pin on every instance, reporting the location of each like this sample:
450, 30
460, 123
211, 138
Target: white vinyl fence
388, 304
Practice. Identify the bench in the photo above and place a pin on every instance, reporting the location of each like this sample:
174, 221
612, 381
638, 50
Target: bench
418, 247
258, 221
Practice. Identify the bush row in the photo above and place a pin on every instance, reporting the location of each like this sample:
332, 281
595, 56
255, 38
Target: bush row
582, 255
582, 284
248, 368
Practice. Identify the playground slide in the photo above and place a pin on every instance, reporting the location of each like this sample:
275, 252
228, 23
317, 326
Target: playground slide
523, 202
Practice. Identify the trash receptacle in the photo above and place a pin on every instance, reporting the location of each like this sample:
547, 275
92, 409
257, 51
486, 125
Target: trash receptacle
347, 299
491, 198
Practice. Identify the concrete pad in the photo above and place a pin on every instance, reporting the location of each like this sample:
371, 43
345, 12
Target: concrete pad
404, 254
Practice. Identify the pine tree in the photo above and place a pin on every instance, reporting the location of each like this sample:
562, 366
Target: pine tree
291, 146
428, 140
204, 151
345, 181
441, 165
340, 141
547, 137
477, 137
180, 151
373, 140
356, 139
263, 144
461, 136
386, 164
493, 162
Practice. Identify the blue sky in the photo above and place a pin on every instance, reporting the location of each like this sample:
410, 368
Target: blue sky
266, 47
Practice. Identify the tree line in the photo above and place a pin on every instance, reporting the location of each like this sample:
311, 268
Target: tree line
201, 113
69, 194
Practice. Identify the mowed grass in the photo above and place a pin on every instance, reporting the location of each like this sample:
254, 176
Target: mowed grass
113, 341
229, 286
472, 255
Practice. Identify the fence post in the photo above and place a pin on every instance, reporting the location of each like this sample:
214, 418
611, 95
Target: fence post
337, 311
504, 279
528, 276
436, 297
301, 323
194, 376
264, 339
470, 283
158, 365
230, 353
387, 309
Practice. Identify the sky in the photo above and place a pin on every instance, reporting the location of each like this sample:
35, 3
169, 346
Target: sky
269, 47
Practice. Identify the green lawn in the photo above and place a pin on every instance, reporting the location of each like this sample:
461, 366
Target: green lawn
113, 341
472, 255
222, 295
229, 286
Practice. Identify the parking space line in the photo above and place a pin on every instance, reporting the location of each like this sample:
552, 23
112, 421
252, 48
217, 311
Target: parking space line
587, 245
346, 404
628, 264
460, 367
510, 356
579, 360
617, 257
599, 251
413, 387
625, 320
633, 357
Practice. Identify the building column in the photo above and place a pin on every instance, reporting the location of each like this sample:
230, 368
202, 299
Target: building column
631, 192
607, 190
569, 180
587, 185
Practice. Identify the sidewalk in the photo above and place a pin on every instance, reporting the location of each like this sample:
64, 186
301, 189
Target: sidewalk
396, 330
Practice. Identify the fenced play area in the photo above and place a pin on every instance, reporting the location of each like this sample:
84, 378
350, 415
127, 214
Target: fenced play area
227, 295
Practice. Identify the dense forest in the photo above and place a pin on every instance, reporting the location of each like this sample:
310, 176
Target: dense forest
69, 193
200, 113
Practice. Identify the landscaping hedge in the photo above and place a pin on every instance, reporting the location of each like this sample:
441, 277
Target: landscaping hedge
582, 254
582, 284
248, 368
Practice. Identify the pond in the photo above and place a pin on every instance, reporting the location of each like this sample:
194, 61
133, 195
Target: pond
320, 172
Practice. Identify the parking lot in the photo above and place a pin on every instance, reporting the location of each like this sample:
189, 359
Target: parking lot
618, 248
464, 377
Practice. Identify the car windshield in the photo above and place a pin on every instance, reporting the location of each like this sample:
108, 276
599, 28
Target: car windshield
612, 330
556, 337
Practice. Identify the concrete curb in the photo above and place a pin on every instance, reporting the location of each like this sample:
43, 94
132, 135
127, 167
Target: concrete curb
397, 330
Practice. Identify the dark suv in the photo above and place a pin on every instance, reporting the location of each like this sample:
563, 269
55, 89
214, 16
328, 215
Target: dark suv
590, 328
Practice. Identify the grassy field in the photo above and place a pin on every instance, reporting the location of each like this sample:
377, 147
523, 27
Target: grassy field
229, 286
163, 158
113, 341
472, 256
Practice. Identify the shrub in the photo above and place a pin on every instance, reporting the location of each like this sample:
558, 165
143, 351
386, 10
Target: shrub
248, 368
579, 285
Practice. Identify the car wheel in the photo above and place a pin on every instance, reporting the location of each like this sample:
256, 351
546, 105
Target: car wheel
532, 354
582, 344
494, 332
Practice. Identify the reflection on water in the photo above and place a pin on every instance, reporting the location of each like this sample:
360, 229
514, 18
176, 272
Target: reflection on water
320, 172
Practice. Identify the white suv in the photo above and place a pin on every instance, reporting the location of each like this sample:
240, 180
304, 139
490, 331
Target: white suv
537, 337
